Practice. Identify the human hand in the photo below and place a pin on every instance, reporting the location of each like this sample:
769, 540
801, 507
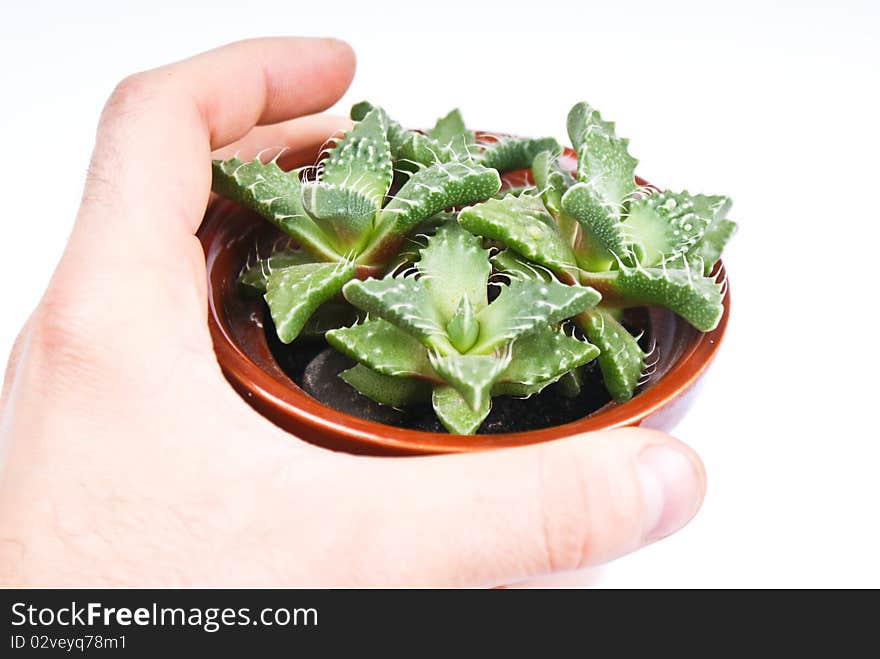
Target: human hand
128, 460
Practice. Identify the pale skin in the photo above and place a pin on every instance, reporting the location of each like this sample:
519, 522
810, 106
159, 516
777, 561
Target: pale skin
128, 460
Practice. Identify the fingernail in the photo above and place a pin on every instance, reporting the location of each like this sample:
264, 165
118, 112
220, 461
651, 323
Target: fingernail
671, 489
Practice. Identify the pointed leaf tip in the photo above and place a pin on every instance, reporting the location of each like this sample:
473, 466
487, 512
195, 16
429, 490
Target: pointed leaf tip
274, 194
603, 158
463, 329
361, 160
295, 292
253, 279
455, 414
453, 266
692, 296
450, 132
664, 226
472, 375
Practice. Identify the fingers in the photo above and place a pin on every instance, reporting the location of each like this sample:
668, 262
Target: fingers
133, 273
150, 173
293, 143
506, 516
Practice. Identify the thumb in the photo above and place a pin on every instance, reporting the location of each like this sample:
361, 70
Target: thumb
504, 516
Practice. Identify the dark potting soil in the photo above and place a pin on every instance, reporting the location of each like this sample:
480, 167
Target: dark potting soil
315, 368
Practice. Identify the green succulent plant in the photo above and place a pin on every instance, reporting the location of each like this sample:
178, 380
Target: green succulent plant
432, 334
450, 140
343, 222
596, 227
404, 256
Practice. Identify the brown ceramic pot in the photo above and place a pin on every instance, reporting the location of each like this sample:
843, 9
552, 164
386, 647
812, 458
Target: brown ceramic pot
229, 235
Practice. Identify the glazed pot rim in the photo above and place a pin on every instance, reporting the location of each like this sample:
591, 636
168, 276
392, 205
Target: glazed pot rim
288, 401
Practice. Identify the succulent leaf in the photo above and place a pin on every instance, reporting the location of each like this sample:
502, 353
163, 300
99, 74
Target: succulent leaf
621, 360
274, 194
472, 375
714, 207
343, 212
419, 150
603, 237
253, 279
411, 149
665, 225
582, 120
603, 159
429, 191
451, 132
385, 389
361, 160
692, 296
707, 252
384, 348
527, 305
402, 301
568, 385
545, 356
455, 414
524, 225
511, 153
295, 292
427, 328
463, 329
394, 132
454, 266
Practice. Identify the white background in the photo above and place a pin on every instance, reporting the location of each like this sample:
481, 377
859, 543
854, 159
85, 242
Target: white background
774, 104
